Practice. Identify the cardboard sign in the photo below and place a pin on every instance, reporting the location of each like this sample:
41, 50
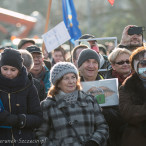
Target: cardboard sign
56, 37
105, 91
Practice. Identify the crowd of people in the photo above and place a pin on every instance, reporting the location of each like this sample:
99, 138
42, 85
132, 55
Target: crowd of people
42, 102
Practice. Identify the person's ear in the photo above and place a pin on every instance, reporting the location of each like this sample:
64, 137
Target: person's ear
113, 66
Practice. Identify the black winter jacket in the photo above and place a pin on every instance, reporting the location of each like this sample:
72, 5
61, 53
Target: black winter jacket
40, 89
19, 96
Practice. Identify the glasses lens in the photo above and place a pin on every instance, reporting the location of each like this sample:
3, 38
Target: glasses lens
143, 63
127, 61
122, 62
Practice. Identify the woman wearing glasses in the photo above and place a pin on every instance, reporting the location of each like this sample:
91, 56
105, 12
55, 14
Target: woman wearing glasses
119, 59
133, 101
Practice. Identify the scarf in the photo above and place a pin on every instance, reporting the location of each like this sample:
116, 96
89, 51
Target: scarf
12, 85
70, 98
120, 77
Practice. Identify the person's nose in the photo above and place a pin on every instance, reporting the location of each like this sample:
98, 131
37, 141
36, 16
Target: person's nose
134, 36
8, 72
91, 64
71, 80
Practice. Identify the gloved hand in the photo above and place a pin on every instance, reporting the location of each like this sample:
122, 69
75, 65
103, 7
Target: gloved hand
8, 119
3, 115
21, 120
91, 143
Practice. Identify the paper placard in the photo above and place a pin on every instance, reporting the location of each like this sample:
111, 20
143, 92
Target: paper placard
56, 37
106, 91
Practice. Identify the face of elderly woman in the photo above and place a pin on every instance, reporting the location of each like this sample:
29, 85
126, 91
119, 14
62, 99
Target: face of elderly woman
122, 64
68, 83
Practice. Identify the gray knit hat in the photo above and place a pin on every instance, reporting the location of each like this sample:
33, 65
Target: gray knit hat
88, 54
60, 69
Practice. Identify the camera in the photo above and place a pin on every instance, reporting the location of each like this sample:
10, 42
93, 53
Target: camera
136, 30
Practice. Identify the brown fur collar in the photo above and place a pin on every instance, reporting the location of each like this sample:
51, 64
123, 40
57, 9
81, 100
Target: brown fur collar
135, 87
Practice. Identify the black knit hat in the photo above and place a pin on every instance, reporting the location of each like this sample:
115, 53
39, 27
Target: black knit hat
34, 49
88, 54
11, 57
24, 41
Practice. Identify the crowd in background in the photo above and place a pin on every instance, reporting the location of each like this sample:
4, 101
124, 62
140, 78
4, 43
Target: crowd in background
41, 98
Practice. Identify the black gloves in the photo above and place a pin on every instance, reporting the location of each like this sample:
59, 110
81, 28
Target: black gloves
3, 115
7, 119
11, 120
91, 143
21, 120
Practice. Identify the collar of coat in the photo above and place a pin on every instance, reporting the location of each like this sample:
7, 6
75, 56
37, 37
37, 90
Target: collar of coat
135, 87
98, 77
82, 100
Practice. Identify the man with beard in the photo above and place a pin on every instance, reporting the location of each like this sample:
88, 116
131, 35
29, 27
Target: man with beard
131, 41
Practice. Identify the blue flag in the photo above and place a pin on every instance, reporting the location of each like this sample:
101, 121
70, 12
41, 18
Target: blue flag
70, 19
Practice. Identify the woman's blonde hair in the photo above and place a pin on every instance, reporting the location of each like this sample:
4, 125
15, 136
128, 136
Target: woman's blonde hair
116, 52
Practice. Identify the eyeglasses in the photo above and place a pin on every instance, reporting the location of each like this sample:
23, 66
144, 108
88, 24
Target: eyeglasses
143, 63
122, 62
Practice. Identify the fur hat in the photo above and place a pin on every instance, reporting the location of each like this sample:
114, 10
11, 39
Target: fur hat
88, 54
11, 57
60, 69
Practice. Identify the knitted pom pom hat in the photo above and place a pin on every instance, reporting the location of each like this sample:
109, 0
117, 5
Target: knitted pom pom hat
60, 69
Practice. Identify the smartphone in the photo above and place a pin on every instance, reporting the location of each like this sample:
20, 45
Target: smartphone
135, 30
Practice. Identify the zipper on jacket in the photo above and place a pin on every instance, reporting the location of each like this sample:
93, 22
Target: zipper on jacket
9, 97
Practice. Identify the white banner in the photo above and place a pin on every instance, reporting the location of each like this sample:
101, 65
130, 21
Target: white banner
56, 37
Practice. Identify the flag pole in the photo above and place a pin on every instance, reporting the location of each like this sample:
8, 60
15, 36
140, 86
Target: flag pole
47, 22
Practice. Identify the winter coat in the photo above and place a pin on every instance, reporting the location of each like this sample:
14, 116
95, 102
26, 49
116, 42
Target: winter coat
85, 115
133, 109
46, 79
40, 89
114, 121
98, 77
19, 96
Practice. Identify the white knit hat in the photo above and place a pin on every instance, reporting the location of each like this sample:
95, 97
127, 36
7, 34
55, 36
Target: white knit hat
60, 69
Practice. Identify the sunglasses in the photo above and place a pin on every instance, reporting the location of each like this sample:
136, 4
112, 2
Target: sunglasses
143, 63
122, 62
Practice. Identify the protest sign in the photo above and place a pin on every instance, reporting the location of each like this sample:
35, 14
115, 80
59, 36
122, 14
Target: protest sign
56, 37
105, 91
